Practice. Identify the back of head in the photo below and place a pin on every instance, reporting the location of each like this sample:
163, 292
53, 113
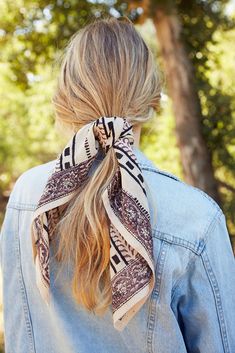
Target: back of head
107, 70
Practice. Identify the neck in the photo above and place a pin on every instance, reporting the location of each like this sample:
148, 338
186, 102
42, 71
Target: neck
136, 133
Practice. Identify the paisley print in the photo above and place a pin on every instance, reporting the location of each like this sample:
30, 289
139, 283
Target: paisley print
125, 201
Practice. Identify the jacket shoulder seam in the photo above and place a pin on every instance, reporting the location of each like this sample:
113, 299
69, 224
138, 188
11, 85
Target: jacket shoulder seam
205, 195
159, 171
174, 177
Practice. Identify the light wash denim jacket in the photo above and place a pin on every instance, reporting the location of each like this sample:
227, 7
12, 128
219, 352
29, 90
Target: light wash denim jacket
191, 309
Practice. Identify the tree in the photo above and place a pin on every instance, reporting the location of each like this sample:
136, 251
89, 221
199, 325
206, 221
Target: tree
33, 34
186, 31
195, 155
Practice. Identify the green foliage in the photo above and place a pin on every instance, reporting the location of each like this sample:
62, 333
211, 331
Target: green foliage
26, 133
32, 36
34, 31
158, 139
209, 36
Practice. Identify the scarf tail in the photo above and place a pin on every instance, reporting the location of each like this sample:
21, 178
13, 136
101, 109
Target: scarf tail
70, 172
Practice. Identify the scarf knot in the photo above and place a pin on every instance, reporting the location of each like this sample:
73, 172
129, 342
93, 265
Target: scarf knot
109, 130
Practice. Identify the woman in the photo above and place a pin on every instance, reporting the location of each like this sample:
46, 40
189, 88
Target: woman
101, 251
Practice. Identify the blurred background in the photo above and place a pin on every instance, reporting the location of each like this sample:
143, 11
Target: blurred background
192, 136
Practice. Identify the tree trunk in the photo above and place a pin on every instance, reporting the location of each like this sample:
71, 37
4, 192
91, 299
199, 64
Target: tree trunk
195, 156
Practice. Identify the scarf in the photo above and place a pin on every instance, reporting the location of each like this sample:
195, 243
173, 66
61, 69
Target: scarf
125, 201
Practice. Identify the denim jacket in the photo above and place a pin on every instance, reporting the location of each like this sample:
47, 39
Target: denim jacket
192, 306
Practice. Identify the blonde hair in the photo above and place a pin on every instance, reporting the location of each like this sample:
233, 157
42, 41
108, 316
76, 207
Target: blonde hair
107, 70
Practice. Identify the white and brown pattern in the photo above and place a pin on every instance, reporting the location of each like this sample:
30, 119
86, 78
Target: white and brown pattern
126, 204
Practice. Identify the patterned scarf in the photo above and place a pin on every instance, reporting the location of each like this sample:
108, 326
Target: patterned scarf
125, 200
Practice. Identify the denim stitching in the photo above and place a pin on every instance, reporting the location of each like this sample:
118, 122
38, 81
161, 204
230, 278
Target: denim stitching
177, 284
155, 295
159, 171
218, 302
28, 321
22, 206
200, 249
218, 214
195, 247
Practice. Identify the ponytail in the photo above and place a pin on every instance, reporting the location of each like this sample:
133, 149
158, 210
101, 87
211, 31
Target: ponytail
83, 239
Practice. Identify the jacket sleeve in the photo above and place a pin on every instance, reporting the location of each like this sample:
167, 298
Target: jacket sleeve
204, 298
